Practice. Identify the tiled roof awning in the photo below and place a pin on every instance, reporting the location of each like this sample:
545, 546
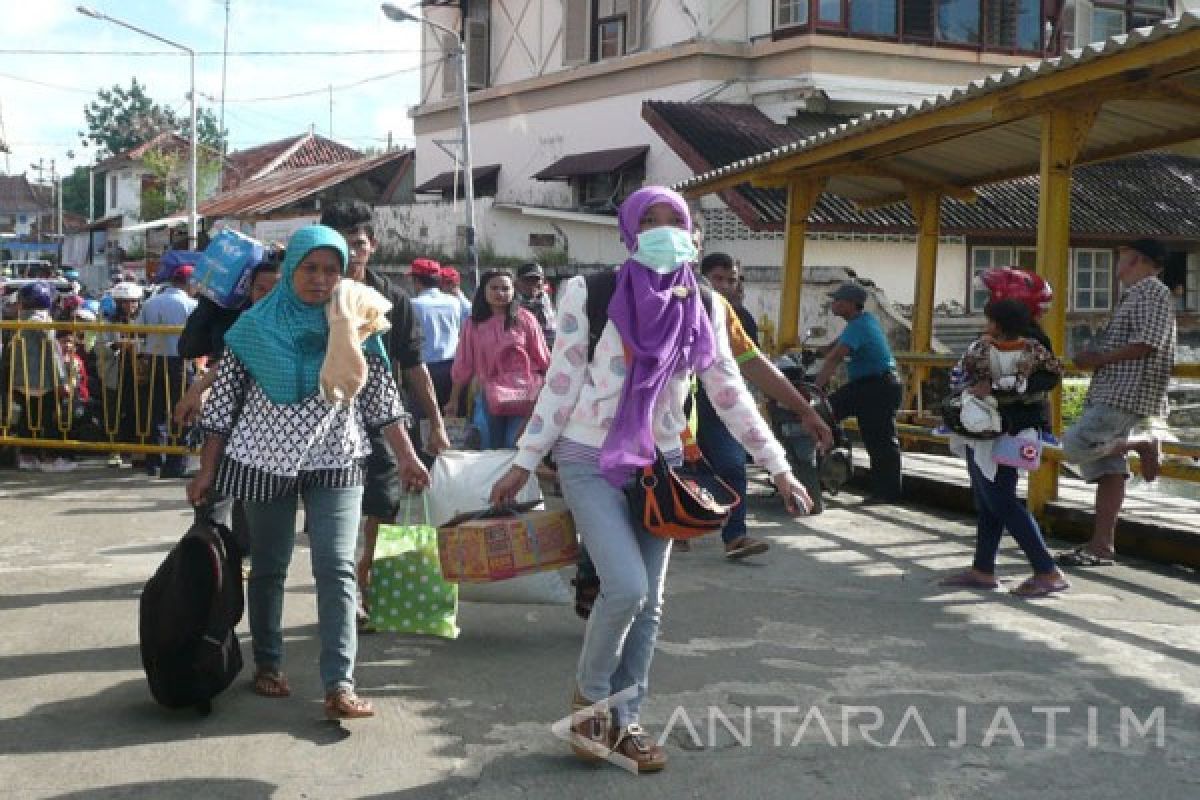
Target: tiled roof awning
596, 162
445, 181
1150, 194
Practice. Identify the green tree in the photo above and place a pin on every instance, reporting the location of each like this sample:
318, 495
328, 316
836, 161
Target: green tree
167, 193
121, 118
75, 189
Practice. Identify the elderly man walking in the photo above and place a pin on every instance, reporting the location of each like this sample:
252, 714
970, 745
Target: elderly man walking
1132, 368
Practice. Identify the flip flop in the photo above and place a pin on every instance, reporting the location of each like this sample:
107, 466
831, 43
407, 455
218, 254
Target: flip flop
271, 683
1032, 587
746, 546
1081, 557
968, 580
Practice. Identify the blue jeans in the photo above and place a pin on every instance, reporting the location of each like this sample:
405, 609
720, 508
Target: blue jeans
332, 517
163, 394
618, 644
998, 507
728, 460
495, 433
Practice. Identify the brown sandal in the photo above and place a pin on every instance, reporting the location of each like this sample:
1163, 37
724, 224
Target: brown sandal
271, 683
590, 724
345, 704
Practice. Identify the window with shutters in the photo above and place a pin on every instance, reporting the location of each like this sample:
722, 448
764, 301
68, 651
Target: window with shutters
1087, 21
615, 24
791, 12
604, 192
478, 53
1091, 279
988, 257
595, 30
610, 38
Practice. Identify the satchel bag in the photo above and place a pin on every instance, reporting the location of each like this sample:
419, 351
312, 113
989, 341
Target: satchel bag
1021, 452
514, 392
682, 502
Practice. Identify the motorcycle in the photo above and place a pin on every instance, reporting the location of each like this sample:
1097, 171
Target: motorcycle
820, 473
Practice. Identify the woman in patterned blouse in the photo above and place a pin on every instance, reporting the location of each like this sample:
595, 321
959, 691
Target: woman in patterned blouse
273, 439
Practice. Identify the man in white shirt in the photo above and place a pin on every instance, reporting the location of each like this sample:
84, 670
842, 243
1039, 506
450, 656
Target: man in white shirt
165, 369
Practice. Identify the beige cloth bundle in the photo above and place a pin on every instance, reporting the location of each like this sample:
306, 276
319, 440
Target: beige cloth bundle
355, 312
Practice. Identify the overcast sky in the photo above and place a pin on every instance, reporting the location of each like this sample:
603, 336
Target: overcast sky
42, 121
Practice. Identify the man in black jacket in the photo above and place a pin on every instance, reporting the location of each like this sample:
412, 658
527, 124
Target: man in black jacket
382, 490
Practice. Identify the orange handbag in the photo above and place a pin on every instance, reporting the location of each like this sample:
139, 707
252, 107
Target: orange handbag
681, 502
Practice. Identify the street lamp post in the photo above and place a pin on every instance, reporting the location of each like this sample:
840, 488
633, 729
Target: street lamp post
400, 15
88, 12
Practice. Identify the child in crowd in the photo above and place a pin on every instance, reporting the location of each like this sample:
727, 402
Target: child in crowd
1007, 364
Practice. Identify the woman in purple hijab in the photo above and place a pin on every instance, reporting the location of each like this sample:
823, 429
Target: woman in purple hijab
604, 413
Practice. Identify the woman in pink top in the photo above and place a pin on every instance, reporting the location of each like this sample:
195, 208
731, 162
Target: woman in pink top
501, 343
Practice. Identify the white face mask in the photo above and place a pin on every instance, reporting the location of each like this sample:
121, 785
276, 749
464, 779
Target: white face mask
665, 249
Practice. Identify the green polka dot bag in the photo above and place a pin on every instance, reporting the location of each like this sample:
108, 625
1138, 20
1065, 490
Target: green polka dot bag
408, 593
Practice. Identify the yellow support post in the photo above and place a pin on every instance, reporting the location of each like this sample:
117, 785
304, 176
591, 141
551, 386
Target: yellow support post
1064, 133
926, 208
802, 196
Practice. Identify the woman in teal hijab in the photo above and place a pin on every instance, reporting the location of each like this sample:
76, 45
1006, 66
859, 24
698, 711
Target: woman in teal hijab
282, 338
271, 439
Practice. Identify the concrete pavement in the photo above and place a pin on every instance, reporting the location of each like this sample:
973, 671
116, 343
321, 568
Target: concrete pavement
777, 677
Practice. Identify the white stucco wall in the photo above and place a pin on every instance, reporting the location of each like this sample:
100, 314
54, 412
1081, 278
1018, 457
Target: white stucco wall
889, 264
503, 231
527, 142
128, 198
526, 38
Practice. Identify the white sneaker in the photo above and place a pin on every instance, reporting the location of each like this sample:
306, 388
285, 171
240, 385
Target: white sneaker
61, 465
115, 461
26, 463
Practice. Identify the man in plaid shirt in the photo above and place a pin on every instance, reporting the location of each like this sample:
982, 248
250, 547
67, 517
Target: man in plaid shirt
1132, 369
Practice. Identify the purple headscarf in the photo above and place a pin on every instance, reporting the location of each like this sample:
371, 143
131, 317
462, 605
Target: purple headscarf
663, 333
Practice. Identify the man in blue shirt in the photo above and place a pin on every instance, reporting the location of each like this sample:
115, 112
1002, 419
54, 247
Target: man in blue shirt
873, 393
171, 306
441, 317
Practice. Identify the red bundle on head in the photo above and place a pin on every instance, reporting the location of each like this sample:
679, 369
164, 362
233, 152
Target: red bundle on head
1007, 283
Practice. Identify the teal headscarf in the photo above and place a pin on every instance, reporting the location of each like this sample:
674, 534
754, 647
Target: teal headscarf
281, 339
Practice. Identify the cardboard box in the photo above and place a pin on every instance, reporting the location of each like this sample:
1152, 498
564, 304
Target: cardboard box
486, 550
223, 274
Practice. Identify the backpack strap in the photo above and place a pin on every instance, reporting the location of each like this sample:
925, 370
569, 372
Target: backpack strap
600, 289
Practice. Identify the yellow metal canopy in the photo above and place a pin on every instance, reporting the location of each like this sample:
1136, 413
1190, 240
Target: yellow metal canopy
1131, 93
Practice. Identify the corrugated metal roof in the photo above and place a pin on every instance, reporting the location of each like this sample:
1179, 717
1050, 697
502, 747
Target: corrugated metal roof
279, 189
596, 162
446, 181
1152, 194
987, 148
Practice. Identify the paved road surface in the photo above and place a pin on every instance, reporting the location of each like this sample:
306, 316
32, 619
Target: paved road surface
840, 614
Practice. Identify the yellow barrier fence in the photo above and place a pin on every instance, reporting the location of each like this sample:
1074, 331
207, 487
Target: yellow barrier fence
1180, 462
40, 405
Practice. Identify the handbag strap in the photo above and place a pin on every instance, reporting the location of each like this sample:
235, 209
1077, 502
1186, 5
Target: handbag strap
407, 519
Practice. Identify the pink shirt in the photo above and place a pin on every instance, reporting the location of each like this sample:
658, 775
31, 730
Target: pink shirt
481, 347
